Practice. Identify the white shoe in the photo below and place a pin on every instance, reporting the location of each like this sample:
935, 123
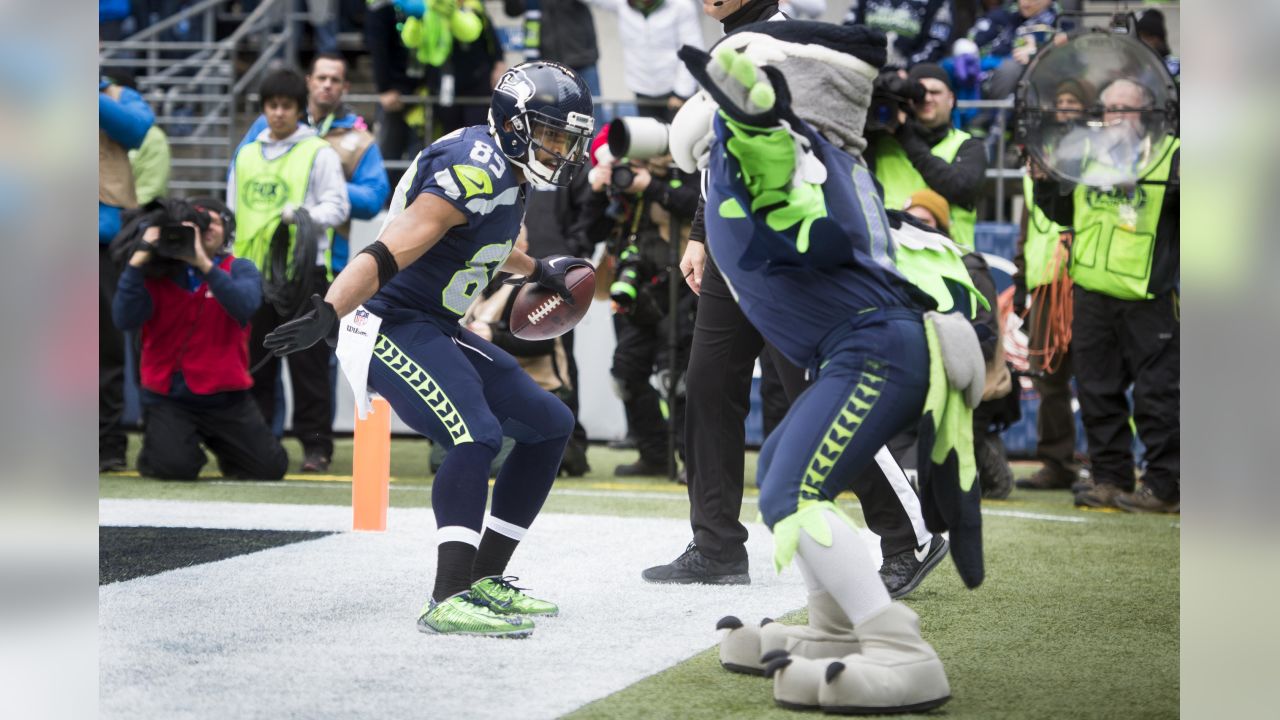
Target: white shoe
896, 671
829, 634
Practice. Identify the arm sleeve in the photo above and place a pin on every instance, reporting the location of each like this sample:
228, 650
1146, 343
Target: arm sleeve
960, 182
240, 291
586, 218
131, 307
369, 188
1056, 201
126, 121
329, 190
698, 230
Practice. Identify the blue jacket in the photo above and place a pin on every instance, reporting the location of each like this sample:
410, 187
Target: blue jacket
126, 122
368, 188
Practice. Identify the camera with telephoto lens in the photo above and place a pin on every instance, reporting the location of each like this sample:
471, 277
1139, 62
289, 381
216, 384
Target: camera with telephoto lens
638, 138
891, 94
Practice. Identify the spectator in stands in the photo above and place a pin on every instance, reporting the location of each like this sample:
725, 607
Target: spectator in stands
918, 30
1151, 30
1125, 328
655, 30
391, 79
150, 161
123, 121
348, 134
562, 31
477, 65
193, 313
286, 168
926, 152
1007, 38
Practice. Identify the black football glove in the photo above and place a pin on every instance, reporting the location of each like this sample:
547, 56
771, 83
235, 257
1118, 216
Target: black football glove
549, 273
318, 324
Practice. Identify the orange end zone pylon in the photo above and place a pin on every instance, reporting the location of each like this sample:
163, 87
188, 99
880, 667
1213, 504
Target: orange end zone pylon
371, 469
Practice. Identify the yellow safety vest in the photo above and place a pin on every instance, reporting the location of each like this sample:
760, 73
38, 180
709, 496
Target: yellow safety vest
900, 179
264, 187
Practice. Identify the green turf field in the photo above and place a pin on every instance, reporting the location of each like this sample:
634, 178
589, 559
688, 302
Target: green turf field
1078, 616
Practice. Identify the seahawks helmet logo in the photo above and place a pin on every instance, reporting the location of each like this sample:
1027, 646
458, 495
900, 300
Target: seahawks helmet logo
518, 85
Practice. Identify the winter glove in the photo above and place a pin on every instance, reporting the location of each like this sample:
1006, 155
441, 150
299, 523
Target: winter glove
318, 324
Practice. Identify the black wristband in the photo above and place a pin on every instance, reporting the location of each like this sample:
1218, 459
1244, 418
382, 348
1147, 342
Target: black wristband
387, 267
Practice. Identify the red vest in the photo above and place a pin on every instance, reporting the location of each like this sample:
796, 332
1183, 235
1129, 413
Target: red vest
191, 333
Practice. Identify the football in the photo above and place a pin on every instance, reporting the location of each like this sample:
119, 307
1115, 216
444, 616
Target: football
541, 314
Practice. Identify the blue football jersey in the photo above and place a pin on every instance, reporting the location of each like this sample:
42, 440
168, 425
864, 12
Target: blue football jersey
796, 299
466, 169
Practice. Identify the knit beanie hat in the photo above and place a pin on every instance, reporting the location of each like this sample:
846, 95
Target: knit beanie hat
935, 204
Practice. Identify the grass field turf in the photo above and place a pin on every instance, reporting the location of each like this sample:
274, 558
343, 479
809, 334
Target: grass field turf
1076, 619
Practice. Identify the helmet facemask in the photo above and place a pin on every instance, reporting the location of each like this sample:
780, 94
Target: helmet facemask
562, 143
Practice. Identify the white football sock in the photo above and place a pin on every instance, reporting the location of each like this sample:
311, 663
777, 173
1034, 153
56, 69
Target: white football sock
844, 570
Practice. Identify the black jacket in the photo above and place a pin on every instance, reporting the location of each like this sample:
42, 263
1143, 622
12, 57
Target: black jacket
960, 182
568, 34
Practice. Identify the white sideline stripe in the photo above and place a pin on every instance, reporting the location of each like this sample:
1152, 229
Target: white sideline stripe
325, 628
642, 495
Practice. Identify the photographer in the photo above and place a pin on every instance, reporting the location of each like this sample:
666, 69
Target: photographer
914, 147
192, 300
639, 199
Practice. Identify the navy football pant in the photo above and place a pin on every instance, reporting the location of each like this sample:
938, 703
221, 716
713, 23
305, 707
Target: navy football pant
871, 386
465, 394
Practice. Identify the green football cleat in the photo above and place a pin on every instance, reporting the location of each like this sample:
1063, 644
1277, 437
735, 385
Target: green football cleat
463, 614
504, 598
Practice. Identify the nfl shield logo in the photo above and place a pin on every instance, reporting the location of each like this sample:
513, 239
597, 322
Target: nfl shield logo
362, 316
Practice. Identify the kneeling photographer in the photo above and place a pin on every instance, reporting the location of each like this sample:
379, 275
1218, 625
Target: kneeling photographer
645, 199
192, 300
912, 146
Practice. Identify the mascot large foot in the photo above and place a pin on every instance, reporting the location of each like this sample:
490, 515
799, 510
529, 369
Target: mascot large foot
896, 671
829, 634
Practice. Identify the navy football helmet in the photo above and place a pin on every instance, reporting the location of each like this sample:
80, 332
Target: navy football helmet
548, 107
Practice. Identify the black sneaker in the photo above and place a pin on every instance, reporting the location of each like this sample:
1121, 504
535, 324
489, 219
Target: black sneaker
904, 571
694, 567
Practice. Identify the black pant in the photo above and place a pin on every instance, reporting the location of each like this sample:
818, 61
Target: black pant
1118, 343
112, 441
723, 355
657, 112
229, 424
308, 376
640, 345
1055, 420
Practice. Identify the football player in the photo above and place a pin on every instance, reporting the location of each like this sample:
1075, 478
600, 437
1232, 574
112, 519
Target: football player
453, 220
